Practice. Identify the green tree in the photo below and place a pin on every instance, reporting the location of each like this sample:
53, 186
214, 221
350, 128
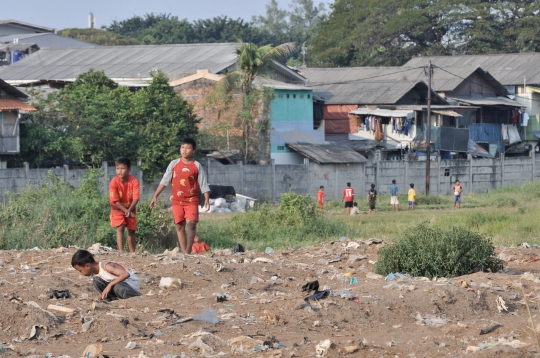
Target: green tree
253, 111
98, 37
163, 119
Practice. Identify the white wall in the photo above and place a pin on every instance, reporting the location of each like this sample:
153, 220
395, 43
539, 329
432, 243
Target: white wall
287, 158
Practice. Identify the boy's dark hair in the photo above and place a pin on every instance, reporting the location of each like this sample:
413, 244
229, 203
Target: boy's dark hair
124, 161
457, 181
189, 141
321, 187
355, 203
412, 185
82, 257
394, 181
348, 184
372, 186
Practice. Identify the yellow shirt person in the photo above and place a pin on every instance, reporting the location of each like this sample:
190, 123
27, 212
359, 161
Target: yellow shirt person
412, 197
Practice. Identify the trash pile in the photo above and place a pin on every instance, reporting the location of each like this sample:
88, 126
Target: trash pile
231, 203
318, 301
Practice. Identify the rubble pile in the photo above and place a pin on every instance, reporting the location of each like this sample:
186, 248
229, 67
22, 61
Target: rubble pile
320, 301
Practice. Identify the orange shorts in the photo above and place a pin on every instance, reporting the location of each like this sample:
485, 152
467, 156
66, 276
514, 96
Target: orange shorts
119, 219
185, 212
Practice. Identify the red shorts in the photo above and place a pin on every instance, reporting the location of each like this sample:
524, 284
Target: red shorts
321, 204
185, 212
119, 219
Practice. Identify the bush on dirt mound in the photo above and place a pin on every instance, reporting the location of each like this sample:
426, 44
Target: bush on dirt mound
432, 251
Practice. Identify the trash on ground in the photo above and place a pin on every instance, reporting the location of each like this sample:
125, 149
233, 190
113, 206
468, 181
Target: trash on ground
92, 351
60, 294
429, 320
60, 309
221, 297
322, 348
243, 344
490, 329
238, 248
311, 286
269, 251
501, 305
264, 260
392, 276
207, 315
170, 283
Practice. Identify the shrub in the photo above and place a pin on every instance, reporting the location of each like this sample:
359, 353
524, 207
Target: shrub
432, 251
431, 200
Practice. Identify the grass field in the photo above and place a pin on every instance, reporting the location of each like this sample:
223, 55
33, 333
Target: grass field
510, 215
57, 215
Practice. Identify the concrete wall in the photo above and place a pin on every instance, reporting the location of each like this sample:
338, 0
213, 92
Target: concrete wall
269, 182
16, 179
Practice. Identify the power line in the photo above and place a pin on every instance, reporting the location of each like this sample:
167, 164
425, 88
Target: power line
367, 78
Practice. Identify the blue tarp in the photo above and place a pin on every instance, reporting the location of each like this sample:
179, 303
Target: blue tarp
477, 150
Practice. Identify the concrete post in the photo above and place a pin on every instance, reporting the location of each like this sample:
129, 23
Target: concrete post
363, 191
469, 158
273, 163
306, 167
105, 167
26, 171
336, 166
406, 177
140, 178
378, 172
438, 175
502, 169
533, 164
66, 173
241, 168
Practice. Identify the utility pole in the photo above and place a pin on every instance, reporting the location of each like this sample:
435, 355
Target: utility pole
428, 134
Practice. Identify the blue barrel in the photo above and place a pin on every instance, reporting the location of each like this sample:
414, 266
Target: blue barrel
16, 56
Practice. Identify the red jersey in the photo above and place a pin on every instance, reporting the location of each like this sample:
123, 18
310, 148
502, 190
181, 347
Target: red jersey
348, 194
123, 193
320, 196
200, 247
184, 184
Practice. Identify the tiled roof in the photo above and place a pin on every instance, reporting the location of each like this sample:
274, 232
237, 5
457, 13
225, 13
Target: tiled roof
13, 103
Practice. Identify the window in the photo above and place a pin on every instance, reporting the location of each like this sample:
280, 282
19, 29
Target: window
294, 96
308, 96
281, 147
447, 172
288, 95
280, 95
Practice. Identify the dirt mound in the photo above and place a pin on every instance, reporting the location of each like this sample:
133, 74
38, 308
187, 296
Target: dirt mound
266, 313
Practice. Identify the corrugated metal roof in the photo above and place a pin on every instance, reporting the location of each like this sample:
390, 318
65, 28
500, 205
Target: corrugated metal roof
385, 85
487, 101
327, 153
13, 103
384, 112
26, 24
447, 112
267, 82
18, 46
43, 40
509, 69
120, 62
12, 90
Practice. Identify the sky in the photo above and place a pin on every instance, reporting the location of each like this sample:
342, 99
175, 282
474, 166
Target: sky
61, 14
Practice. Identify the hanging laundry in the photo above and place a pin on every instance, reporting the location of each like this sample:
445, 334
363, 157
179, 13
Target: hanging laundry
513, 134
379, 136
515, 117
367, 123
504, 132
524, 119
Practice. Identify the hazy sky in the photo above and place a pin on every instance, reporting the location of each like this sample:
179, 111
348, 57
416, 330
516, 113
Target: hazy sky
61, 14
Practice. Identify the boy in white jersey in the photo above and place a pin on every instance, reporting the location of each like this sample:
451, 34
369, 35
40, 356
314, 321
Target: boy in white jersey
111, 279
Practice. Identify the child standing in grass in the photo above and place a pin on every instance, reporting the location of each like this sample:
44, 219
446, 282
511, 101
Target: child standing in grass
412, 197
124, 194
111, 279
320, 198
348, 197
372, 199
457, 194
186, 177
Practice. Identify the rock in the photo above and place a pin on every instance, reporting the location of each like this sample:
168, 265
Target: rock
374, 241
353, 245
351, 349
355, 258
317, 324
243, 344
131, 345
170, 283
264, 260
92, 351
322, 348
269, 251
473, 349
86, 325
200, 346
374, 276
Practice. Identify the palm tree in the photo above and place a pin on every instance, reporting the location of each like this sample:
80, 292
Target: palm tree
253, 61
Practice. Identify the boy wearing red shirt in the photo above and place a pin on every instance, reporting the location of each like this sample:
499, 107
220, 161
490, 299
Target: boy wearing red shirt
348, 197
124, 194
186, 177
320, 198
199, 247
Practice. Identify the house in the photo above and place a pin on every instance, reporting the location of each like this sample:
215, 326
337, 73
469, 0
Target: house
396, 97
12, 27
127, 65
518, 72
15, 47
291, 114
11, 109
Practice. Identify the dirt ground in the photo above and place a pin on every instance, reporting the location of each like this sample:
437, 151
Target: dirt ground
265, 314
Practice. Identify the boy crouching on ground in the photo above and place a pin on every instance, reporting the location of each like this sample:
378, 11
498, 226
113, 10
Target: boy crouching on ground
111, 279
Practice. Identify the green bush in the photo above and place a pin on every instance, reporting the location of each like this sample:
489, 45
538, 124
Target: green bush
431, 200
432, 251
56, 215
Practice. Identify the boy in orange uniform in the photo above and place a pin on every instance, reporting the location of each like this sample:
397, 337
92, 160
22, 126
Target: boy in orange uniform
199, 247
186, 177
320, 198
124, 196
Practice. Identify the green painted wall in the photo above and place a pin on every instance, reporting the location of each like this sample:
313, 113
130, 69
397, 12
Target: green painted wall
292, 106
